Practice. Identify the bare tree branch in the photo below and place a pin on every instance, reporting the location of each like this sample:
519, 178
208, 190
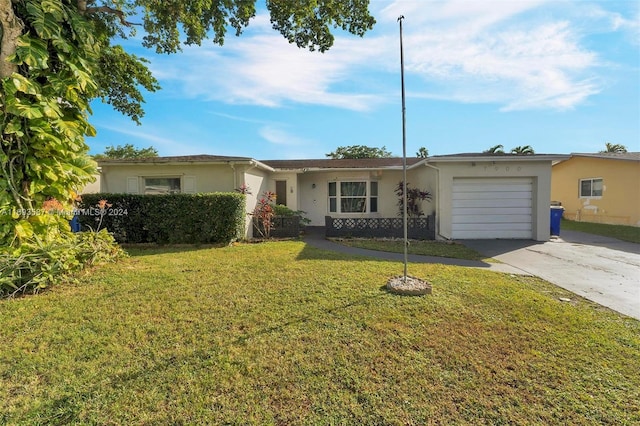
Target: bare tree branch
84, 9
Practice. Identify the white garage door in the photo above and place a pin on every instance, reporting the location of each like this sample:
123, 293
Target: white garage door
492, 208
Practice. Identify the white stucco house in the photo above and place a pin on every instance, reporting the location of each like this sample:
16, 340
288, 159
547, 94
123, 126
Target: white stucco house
475, 196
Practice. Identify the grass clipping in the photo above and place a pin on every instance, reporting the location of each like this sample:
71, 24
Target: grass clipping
411, 286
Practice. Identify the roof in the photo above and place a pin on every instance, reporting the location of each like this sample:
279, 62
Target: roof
328, 163
499, 156
202, 158
629, 156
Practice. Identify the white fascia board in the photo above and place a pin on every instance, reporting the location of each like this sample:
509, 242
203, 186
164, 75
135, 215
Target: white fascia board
263, 166
501, 159
176, 163
349, 169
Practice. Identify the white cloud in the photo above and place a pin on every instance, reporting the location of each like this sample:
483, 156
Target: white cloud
239, 118
489, 52
598, 18
146, 136
278, 136
165, 145
465, 13
264, 69
517, 54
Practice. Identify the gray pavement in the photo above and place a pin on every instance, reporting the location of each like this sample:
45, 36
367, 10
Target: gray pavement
602, 269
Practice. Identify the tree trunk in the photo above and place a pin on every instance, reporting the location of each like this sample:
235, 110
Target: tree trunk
11, 28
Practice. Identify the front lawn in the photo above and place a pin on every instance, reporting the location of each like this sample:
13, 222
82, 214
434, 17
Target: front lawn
424, 248
282, 333
621, 232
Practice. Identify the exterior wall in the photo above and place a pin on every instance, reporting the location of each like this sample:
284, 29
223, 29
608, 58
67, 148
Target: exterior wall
91, 188
258, 181
208, 177
314, 200
539, 171
620, 200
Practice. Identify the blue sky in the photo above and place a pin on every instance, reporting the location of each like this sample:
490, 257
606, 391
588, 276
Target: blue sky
561, 76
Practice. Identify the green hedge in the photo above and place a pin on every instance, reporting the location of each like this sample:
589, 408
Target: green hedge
170, 218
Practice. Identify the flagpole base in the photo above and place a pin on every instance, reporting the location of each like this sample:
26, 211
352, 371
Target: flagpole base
412, 286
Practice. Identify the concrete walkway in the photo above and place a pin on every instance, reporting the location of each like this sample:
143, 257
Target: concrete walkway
602, 269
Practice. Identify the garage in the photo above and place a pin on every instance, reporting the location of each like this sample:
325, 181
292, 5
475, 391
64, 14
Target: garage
484, 208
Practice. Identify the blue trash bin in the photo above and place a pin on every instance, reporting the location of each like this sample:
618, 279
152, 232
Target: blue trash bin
75, 224
556, 217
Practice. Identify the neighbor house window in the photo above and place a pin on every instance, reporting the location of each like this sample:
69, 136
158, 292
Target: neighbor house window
591, 187
353, 197
162, 185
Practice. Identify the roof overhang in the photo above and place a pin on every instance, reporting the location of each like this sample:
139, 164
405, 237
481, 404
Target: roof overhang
346, 169
161, 161
497, 158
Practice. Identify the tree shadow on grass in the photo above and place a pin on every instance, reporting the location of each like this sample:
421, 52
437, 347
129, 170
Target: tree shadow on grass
139, 250
317, 249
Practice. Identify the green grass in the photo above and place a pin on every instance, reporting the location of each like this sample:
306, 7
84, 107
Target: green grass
425, 248
621, 232
285, 334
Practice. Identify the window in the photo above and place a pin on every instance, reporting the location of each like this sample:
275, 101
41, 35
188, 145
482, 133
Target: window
591, 187
353, 197
162, 185
373, 197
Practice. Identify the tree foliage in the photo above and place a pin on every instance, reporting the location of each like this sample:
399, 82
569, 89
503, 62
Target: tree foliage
518, 150
359, 151
44, 116
523, 150
496, 149
422, 152
615, 148
56, 57
308, 24
126, 151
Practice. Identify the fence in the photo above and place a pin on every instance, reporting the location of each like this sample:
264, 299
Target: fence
419, 228
283, 227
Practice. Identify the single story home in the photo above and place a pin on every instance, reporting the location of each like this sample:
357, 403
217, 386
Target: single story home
602, 187
474, 196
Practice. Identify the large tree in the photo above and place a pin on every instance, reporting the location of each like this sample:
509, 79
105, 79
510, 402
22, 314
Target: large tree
57, 56
358, 151
126, 151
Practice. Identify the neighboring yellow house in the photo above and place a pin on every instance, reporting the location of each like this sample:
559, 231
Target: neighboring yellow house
601, 188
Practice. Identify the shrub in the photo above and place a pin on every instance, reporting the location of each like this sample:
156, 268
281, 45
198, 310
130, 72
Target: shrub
263, 214
414, 197
167, 218
282, 210
37, 264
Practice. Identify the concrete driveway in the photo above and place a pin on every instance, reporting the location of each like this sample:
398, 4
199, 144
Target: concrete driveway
602, 269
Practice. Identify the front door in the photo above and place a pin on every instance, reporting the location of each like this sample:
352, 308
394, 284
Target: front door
281, 192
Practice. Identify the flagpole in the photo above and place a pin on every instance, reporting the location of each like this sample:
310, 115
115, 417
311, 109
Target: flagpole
404, 159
